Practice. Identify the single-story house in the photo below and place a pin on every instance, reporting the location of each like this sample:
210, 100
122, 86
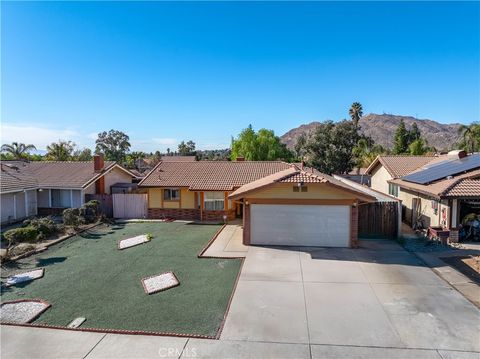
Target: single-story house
280, 204
438, 193
65, 184
18, 193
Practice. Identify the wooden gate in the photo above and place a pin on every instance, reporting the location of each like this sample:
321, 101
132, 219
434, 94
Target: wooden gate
105, 203
129, 205
378, 219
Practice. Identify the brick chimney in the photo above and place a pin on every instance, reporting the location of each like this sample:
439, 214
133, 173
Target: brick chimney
98, 163
240, 159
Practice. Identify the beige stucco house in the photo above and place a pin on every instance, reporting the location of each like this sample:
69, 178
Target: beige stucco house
280, 203
449, 191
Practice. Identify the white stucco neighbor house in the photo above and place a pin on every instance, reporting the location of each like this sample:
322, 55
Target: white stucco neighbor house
48, 187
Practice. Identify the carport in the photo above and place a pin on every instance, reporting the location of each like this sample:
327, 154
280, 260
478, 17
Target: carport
300, 208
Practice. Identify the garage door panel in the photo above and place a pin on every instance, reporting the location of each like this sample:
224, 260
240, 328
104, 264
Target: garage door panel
300, 225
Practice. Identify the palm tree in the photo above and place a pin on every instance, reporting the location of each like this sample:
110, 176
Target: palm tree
365, 151
18, 150
356, 112
471, 137
61, 151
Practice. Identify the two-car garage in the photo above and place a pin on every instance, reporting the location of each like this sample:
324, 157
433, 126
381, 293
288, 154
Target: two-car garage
300, 225
299, 208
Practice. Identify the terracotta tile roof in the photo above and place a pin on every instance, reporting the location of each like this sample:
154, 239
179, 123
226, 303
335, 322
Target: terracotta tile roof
464, 188
178, 158
438, 189
210, 175
295, 175
399, 166
15, 177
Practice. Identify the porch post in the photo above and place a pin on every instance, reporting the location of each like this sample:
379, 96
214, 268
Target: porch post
454, 213
201, 205
15, 206
50, 198
71, 198
26, 203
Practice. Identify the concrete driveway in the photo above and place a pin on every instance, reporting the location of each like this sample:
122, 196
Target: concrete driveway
376, 296
375, 302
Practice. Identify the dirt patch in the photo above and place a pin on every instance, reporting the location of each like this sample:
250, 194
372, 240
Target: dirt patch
468, 265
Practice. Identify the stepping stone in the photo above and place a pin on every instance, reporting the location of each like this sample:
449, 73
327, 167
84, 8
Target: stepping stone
159, 282
76, 322
22, 311
134, 241
25, 277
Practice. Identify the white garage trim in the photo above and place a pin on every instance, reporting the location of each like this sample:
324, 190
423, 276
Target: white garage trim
300, 225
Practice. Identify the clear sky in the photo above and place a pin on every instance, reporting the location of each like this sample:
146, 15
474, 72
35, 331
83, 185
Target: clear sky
164, 72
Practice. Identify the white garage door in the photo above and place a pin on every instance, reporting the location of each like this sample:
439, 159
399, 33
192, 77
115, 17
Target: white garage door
300, 225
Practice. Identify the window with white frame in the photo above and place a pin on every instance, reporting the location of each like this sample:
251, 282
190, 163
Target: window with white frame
171, 194
214, 201
393, 189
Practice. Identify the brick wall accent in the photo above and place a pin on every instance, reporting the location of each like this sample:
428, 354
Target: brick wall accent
454, 235
176, 213
353, 227
190, 214
246, 224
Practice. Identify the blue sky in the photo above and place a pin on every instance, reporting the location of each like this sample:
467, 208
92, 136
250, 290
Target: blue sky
164, 72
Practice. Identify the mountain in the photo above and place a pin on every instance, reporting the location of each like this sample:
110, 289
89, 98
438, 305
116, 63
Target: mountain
382, 129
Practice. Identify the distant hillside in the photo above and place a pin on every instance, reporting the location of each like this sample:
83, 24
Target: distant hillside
382, 129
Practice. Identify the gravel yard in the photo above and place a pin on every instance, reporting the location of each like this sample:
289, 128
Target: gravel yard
87, 276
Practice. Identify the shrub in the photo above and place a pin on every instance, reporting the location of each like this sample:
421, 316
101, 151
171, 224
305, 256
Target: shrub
25, 234
71, 217
45, 226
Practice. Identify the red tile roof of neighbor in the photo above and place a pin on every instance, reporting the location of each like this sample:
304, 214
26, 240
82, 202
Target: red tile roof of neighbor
210, 175
399, 166
14, 178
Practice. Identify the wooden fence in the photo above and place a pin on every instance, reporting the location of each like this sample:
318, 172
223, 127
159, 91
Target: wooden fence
378, 219
105, 203
130, 205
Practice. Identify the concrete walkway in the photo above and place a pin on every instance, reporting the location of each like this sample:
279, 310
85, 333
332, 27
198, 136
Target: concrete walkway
228, 243
35, 343
375, 302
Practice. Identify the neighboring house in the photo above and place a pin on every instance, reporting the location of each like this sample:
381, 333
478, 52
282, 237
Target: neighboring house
385, 168
439, 192
18, 193
279, 203
61, 185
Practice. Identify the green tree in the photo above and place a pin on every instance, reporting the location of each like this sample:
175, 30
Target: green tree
300, 146
356, 112
401, 139
134, 159
329, 148
186, 149
418, 147
113, 144
366, 151
470, 137
60, 151
414, 134
259, 146
83, 155
17, 151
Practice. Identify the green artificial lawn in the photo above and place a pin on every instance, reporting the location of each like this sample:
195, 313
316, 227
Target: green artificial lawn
87, 276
